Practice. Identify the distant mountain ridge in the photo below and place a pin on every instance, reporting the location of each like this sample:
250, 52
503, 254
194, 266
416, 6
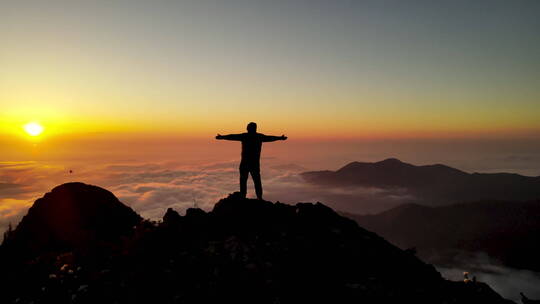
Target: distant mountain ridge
243, 251
506, 231
432, 184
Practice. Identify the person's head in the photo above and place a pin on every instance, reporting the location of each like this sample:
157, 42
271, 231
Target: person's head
252, 127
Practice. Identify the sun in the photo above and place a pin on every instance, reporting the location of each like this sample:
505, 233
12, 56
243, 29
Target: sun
33, 128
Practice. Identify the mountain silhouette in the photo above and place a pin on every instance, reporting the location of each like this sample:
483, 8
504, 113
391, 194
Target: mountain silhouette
243, 251
506, 231
431, 184
72, 216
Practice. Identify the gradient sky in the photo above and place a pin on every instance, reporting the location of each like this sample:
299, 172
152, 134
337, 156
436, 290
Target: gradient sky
131, 94
350, 69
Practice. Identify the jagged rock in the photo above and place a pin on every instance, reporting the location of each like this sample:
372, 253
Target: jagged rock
309, 253
195, 213
171, 217
247, 251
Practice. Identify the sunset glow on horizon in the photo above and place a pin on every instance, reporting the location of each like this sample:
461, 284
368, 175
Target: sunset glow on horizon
362, 71
345, 80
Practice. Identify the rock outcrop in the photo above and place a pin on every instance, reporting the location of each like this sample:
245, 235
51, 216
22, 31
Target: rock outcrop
72, 216
243, 251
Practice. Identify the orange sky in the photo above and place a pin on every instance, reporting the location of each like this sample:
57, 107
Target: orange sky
318, 71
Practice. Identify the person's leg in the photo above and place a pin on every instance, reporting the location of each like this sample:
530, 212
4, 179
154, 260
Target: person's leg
256, 175
244, 174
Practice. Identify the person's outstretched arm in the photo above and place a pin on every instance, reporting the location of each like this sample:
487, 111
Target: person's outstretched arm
267, 138
230, 137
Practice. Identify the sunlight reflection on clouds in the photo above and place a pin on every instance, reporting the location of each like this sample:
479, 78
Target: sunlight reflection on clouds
151, 188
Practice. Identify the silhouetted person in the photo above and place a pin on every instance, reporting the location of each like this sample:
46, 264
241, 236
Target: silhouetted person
251, 155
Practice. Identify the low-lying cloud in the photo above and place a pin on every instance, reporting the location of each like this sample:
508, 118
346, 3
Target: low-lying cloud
508, 282
151, 188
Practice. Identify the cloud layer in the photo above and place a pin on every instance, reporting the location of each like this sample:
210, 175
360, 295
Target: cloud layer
151, 188
508, 282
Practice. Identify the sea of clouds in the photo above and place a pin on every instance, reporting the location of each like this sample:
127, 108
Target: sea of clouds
151, 188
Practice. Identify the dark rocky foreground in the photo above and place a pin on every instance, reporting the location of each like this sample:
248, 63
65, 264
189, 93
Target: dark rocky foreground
243, 250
